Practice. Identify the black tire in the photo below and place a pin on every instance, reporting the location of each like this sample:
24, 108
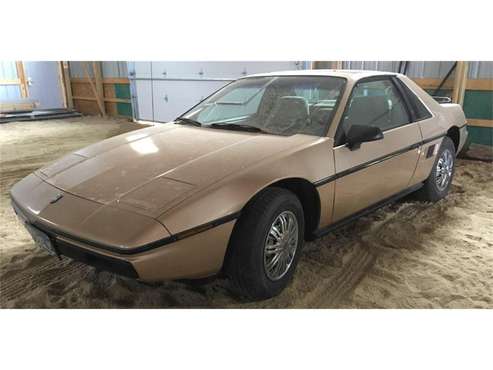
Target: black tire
430, 191
244, 263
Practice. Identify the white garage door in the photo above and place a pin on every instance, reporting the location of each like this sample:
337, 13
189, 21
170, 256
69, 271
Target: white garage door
162, 91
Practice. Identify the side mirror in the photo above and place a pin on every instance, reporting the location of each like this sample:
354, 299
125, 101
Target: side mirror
358, 134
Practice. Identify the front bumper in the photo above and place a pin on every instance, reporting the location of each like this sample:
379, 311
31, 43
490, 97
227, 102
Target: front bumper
196, 256
100, 261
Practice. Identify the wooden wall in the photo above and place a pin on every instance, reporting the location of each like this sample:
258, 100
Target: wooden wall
116, 97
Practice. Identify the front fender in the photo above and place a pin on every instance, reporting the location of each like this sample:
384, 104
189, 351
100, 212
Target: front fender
228, 196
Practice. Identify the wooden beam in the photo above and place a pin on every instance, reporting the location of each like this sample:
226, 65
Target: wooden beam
463, 86
337, 65
486, 84
14, 81
68, 86
106, 81
99, 99
98, 77
61, 79
17, 106
114, 80
431, 83
321, 65
460, 79
21, 74
107, 100
480, 122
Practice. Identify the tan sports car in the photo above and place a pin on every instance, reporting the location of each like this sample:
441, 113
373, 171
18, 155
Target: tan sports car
239, 182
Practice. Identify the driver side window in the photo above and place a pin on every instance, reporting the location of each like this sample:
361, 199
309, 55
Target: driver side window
376, 103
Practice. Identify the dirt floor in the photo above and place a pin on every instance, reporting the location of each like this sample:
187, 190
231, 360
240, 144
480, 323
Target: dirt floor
406, 255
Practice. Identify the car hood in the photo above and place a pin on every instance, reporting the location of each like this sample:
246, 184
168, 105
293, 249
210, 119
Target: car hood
152, 169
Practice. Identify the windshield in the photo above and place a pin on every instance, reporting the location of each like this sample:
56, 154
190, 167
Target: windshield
277, 105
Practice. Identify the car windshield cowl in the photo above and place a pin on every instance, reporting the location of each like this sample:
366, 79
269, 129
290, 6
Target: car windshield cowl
187, 121
238, 127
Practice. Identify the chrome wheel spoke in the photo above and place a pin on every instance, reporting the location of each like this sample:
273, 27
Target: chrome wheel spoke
274, 261
279, 266
444, 170
273, 248
280, 245
276, 233
284, 224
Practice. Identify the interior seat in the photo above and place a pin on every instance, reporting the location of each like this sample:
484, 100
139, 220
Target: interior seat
368, 110
289, 113
320, 115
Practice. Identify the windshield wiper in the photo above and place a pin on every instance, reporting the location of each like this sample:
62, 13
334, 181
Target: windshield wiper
230, 103
239, 127
188, 121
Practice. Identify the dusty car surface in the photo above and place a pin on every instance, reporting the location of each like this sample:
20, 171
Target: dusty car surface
239, 182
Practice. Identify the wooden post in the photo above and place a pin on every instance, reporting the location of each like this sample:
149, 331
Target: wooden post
98, 78
460, 82
94, 89
67, 86
464, 84
337, 65
21, 74
61, 80
321, 65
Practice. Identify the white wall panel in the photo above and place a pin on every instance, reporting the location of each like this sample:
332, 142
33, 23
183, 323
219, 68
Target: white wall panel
10, 92
173, 98
481, 70
216, 70
8, 71
177, 70
140, 69
165, 90
261, 67
143, 109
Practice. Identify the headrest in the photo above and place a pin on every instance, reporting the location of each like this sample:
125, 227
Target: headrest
368, 110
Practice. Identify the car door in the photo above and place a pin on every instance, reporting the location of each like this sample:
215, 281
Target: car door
379, 169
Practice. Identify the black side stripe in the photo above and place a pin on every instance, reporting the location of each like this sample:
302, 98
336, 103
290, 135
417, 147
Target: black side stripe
429, 140
375, 161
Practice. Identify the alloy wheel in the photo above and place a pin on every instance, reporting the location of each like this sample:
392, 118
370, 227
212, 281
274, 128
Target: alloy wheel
444, 169
280, 245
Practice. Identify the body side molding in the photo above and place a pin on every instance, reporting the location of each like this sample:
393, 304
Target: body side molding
376, 161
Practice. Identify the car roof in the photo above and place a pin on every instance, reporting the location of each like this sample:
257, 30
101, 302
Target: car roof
350, 74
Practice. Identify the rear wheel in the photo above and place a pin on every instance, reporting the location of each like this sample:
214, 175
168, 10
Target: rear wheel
437, 185
265, 245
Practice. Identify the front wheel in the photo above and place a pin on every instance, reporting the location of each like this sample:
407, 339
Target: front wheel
265, 245
437, 185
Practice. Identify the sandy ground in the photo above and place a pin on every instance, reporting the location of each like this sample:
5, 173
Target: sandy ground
407, 255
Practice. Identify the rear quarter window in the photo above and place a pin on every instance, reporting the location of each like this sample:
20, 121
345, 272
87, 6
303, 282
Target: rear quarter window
419, 109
